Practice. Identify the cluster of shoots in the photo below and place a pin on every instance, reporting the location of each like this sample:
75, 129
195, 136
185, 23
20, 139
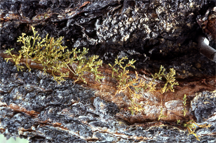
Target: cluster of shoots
135, 85
125, 83
191, 127
170, 80
54, 57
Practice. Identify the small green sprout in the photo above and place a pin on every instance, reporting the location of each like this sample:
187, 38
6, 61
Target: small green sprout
178, 121
135, 107
15, 58
185, 99
52, 55
133, 85
84, 65
122, 73
170, 80
191, 126
118, 66
161, 114
125, 82
184, 103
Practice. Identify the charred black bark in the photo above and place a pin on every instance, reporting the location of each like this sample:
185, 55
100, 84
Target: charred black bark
152, 33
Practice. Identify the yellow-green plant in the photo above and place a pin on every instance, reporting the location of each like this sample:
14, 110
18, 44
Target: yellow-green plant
121, 71
178, 121
170, 80
83, 65
125, 82
161, 114
52, 55
135, 85
184, 103
191, 126
121, 74
135, 107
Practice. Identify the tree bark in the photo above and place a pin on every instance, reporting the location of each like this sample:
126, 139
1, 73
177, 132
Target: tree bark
153, 33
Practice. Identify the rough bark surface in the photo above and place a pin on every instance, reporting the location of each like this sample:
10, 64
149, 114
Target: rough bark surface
34, 106
154, 33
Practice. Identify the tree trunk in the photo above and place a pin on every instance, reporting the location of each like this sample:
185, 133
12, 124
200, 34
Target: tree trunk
154, 33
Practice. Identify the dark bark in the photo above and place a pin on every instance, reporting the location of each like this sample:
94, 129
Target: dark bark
154, 33
33, 106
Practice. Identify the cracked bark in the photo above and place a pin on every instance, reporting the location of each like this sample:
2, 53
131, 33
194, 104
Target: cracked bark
34, 106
